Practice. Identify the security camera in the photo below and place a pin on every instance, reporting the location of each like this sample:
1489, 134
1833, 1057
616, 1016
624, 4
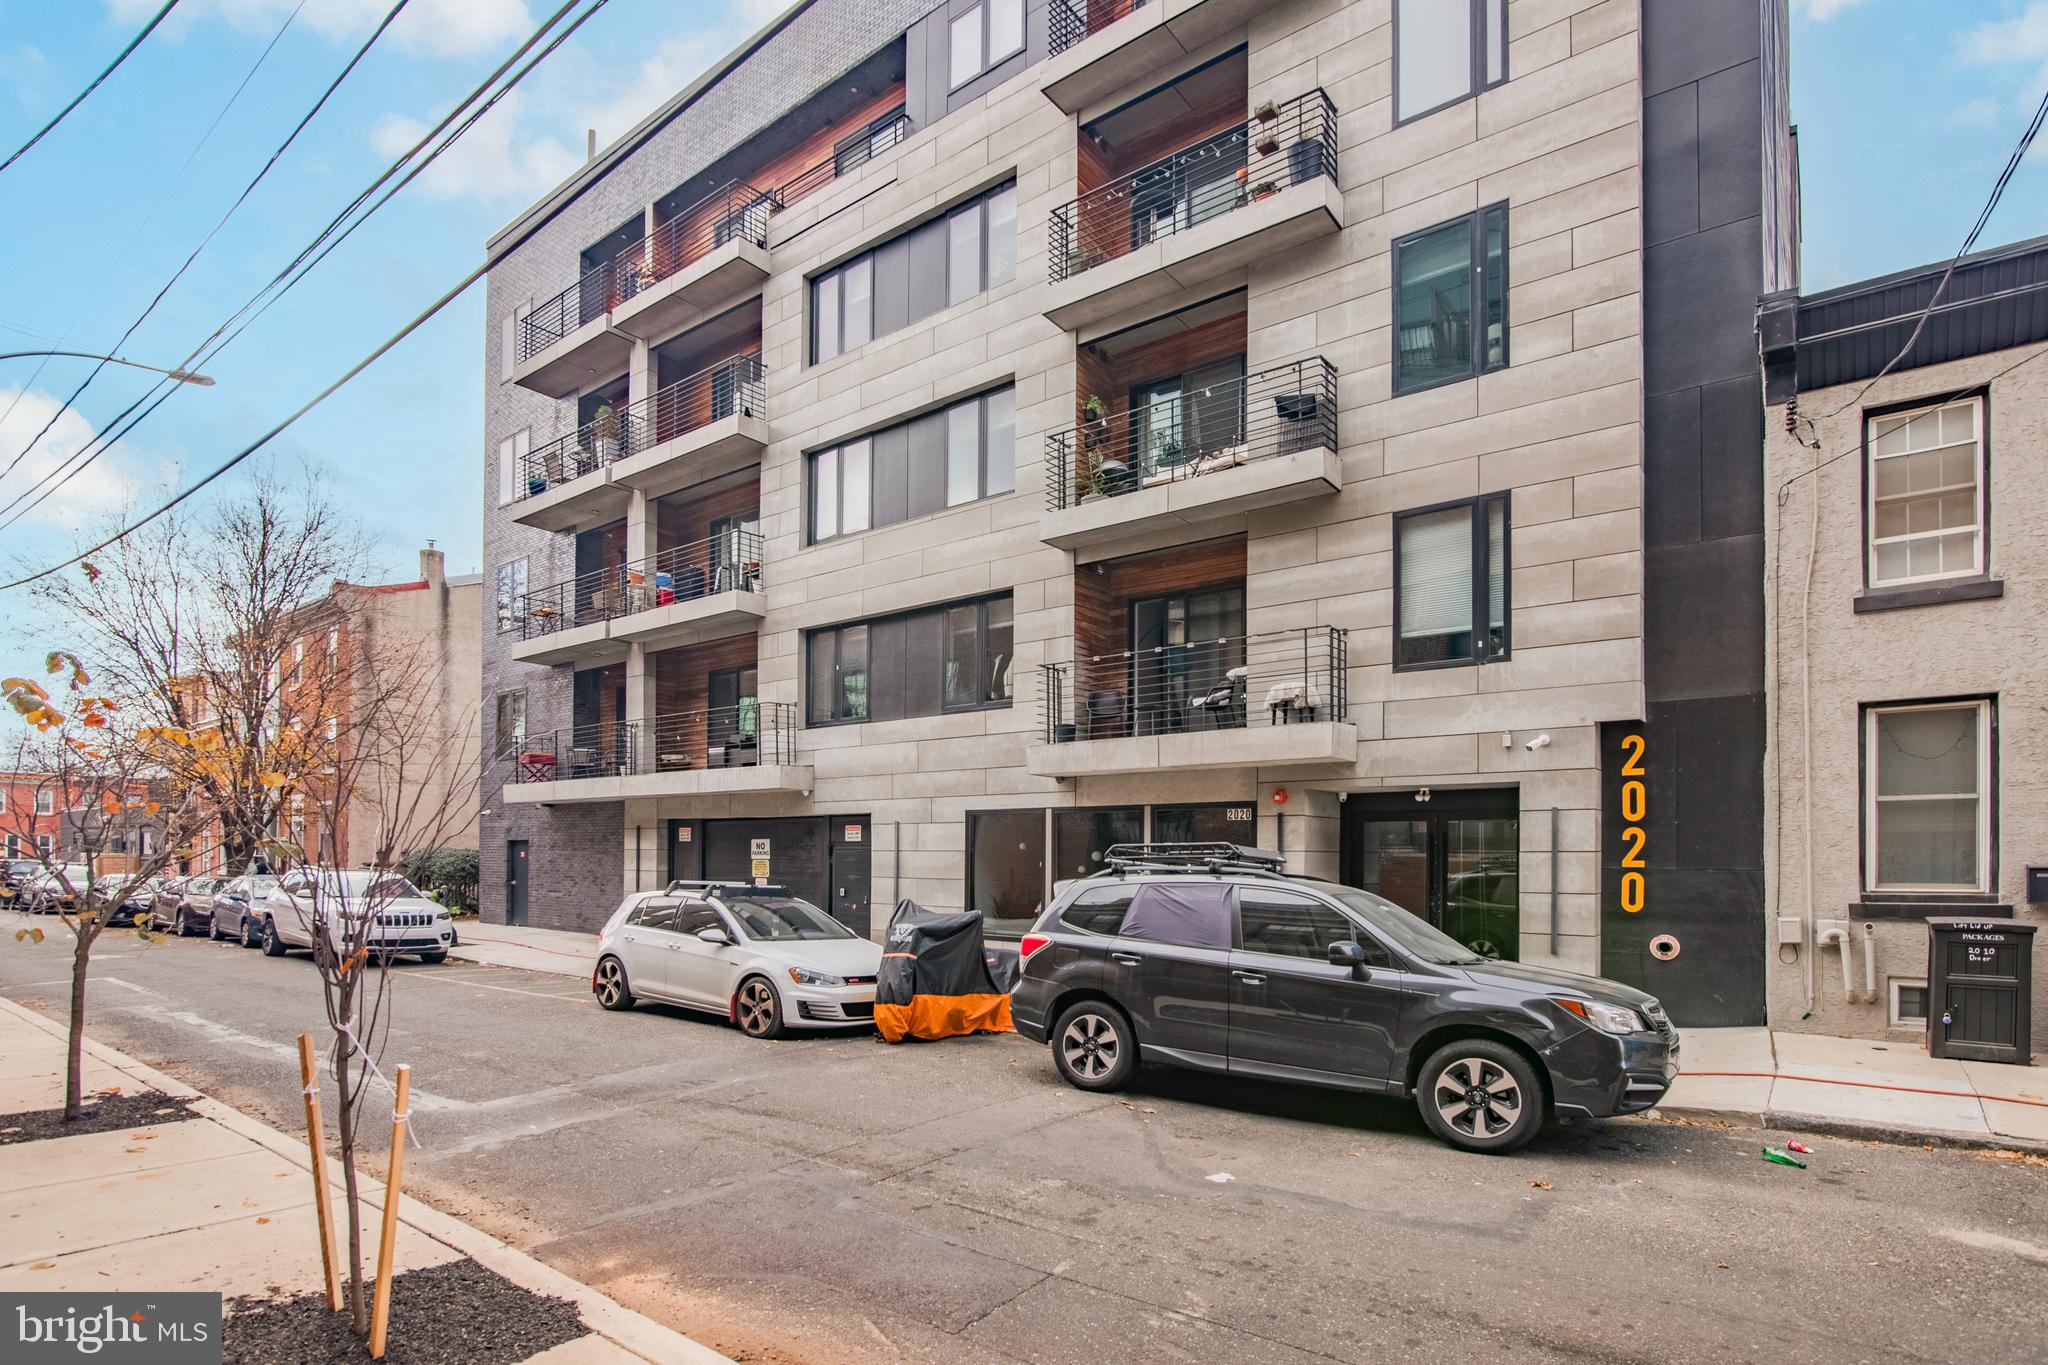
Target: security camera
1540, 742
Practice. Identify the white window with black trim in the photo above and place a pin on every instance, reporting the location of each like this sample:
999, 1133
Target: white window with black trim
958, 454
981, 37
1925, 486
1451, 301
969, 249
1451, 584
46, 801
1928, 812
1446, 51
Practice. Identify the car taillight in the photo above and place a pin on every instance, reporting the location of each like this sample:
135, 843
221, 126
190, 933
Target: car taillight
1028, 945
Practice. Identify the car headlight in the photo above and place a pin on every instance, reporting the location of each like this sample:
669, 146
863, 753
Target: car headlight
1607, 1018
804, 976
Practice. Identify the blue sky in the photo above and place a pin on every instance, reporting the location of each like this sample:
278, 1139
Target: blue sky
1906, 109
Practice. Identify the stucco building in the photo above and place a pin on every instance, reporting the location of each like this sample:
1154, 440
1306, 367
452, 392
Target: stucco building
1906, 703
946, 440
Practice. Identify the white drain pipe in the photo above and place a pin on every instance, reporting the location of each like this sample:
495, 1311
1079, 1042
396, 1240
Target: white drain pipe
1869, 962
1835, 933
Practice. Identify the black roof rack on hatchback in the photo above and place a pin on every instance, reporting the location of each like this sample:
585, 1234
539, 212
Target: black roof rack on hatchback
1214, 857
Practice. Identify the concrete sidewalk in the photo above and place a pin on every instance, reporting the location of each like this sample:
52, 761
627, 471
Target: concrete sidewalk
224, 1204
1793, 1080
532, 950
1853, 1085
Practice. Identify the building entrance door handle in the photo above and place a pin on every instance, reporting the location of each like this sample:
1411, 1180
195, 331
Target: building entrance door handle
1127, 959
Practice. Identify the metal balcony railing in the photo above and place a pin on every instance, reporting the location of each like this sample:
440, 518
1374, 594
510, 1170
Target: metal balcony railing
1281, 145
1069, 21
848, 154
1200, 431
729, 388
730, 562
737, 211
1292, 677
751, 734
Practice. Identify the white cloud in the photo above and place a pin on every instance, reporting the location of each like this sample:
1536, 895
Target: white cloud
2022, 38
431, 28
110, 482
1820, 11
490, 162
1981, 112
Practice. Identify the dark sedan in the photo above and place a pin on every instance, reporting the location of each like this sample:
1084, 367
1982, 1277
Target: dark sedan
185, 905
238, 909
136, 898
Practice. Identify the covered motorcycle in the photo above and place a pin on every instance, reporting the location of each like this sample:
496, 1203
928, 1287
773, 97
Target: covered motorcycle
937, 980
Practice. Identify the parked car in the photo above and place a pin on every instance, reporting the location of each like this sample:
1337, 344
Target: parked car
136, 896
308, 899
185, 905
239, 907
765, 959
15, 875
1210, 957
55, 889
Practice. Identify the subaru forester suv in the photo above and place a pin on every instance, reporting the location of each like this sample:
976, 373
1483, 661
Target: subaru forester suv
1209, 956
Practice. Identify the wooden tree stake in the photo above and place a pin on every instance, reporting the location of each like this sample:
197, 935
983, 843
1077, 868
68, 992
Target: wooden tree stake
316, 1142
380, 1311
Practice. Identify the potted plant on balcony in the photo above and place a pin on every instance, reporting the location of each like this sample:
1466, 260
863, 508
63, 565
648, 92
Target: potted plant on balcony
1265, 189
605, 426
645, 271
1169, 453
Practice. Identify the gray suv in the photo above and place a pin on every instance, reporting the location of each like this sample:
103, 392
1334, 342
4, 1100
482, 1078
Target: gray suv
1208, 956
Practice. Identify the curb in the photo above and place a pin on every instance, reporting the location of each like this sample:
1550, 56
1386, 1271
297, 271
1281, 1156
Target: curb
604, 1316
1903, 1134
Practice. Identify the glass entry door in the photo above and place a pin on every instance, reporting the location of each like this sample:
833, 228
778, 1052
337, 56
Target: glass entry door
1453, 860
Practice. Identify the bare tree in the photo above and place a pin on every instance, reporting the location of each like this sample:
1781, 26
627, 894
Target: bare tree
399, 763
193, 624
109, 788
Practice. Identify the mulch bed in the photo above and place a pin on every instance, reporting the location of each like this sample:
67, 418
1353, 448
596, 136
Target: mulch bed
453, 1314
103, 1114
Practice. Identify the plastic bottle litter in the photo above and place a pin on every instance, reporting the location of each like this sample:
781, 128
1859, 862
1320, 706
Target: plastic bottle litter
1798, 1147
1782, 1158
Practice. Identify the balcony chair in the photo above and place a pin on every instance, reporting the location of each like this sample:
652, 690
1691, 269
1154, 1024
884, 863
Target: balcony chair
1223, 705
1106, 711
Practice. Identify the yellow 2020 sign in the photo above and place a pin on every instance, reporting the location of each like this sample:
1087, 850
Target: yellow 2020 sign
1634, 804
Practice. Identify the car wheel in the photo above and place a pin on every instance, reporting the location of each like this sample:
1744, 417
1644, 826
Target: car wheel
1480, 1096
184, 926
757, 1010
250, 937
1094, 1046
213, 929
610, 985
434, 955
273, 946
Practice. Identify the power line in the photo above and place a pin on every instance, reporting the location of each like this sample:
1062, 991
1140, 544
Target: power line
449, 297
127, 419
107, 71
179, 273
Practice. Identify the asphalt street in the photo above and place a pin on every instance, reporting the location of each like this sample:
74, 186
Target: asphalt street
837, 1200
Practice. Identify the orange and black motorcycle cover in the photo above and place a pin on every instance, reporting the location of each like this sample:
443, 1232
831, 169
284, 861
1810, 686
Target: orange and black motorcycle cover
937, 980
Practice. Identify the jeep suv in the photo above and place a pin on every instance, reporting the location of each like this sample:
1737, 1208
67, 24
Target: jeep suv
1209, 956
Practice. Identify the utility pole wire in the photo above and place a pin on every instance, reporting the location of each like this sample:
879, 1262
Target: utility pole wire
179, 273
447, 298
107, 71
201, 354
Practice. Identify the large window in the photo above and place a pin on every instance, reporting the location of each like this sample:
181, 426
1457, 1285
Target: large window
1451, 301
1927, 826
937, 264
510, 733
921, 663
942, 459
1006, 866
511, 594
983, 37
1081, 838
1444, 50
1451, 584
1925, 517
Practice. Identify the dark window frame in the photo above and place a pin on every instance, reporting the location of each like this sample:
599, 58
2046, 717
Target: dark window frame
835, 275
1476, 83
981, 606
837, 635
1482, 285
1481, 626
812, 638
499, 749
989, 60
813, 489
1044, 838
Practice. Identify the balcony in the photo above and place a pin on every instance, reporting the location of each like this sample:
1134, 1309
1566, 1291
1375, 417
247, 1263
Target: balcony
848, 155
714, 752
1224, 449
1210, 208
1101, 47
695, 261
1253, 701
698, 427
700, 591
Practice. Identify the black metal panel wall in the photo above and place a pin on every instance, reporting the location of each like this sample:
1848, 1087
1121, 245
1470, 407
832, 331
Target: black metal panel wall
1702, 746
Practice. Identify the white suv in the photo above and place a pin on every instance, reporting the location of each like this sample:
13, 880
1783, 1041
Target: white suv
407, 922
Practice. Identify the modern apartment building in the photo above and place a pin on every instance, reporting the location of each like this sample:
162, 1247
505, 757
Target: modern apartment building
945, 441
1906, 707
